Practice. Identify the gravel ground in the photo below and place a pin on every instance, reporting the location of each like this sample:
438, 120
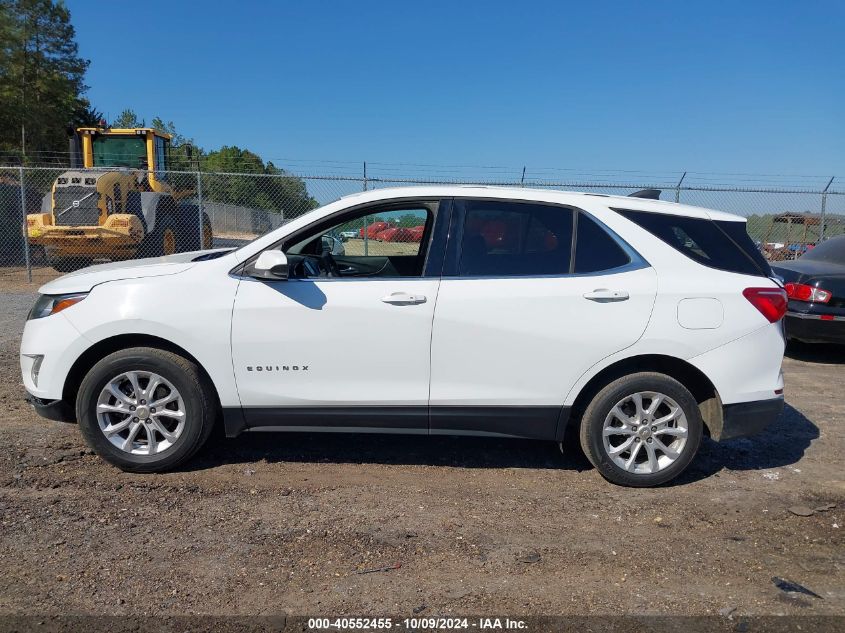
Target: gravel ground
273, 524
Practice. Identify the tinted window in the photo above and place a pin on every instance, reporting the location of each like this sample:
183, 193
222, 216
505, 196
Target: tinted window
595, 250
738, 233
161, 163
120, 151
832, 250
515, 238
722, 245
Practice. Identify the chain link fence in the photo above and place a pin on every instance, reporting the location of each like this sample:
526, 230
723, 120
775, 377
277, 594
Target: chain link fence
54, 220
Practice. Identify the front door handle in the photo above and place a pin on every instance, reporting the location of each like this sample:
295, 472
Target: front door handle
403, 299
603, 295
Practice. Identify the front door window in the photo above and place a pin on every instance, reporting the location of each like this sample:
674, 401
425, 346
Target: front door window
383, 243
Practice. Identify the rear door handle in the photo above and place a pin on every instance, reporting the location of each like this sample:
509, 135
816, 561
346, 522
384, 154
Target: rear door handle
603, 295
403, 299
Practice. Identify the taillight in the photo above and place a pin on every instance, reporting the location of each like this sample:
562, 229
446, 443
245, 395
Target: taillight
771, 302
803, 292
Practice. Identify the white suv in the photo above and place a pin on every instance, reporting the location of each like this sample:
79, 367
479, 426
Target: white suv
636, 324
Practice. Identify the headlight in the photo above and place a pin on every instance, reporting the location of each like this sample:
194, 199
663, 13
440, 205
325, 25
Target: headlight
51, 304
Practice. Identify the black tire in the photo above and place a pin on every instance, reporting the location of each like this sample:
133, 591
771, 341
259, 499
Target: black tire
185, 376
207, 238
154, 243
593, 420
189, 233
68, 264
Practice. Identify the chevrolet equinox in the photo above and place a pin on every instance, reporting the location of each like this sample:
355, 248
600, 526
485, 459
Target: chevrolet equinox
635, 325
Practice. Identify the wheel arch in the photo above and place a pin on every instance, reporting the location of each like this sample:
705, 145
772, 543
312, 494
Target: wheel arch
701, 387
99, 350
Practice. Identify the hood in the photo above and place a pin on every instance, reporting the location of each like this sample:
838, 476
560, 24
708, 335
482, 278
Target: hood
86, 278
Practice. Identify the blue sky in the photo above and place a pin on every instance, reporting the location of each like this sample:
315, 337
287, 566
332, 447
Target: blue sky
656, 87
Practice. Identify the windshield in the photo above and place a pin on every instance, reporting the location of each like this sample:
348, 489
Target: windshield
120, 151
832, 250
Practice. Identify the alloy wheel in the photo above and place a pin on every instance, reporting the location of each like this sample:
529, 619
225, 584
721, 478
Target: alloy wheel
141, 413
645, 432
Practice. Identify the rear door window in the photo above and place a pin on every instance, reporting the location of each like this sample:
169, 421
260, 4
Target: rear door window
723, 245
502, 238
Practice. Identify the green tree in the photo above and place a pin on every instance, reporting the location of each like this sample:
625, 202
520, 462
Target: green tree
183, 153
86, 115
251, 183
128, 119
41, 77
169, 127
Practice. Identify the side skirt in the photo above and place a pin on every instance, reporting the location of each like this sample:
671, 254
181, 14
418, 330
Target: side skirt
541, 422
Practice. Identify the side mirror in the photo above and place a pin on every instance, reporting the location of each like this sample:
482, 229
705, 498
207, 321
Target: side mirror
271, 265
189, 150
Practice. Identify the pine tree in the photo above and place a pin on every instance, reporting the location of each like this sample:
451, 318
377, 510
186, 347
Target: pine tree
41, 78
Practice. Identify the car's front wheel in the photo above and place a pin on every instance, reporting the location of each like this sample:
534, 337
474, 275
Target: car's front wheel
145, 410
642, 430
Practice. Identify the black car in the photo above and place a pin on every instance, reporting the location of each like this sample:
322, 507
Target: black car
815, 284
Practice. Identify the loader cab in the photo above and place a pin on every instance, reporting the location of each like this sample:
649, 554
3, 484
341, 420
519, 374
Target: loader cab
143, 149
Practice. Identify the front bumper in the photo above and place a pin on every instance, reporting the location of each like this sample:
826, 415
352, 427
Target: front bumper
57, 410
813, 328
749, 418
121, 233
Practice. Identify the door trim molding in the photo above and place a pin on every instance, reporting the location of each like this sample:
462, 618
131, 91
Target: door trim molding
544, 422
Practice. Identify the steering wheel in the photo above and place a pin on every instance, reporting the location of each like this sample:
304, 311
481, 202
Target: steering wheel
316, 266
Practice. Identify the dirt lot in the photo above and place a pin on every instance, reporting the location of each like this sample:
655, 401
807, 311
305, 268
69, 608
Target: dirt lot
270, 524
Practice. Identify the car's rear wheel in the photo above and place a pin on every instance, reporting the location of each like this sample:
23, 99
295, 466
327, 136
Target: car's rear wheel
145, 410
642, 430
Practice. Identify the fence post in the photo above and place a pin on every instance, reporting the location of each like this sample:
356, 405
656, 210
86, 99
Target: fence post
522, 180
25, 228
199, 209
678, 188
366, 236
824, 208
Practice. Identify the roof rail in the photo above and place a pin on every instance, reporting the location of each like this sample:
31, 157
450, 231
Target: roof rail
650, 194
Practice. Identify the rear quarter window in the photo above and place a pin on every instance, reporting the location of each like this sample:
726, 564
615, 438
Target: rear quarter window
723, 245
595, 250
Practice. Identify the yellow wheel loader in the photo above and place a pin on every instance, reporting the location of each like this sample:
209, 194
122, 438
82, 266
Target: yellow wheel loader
116, 202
